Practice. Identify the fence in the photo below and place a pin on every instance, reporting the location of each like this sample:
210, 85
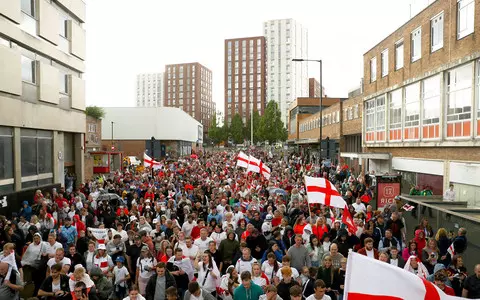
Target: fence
450, 216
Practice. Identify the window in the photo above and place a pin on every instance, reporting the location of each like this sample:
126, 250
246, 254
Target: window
37, 152
6, 153
412, 105
459, 93
395, 114
380, 113
28, 69
92, 127
465, 18
373, 69
63, 26
431, 100
63, 79
370, 115
385, 63
436, 32
416, 39
399, 55
28, 7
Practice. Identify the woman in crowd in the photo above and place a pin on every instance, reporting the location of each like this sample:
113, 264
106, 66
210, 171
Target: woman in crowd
410, 250
315, 250
270, 268
208, 273
457, 273
426, 228
258, 277
229, 282
430, 255
330, 276
145, 269
443, 243
272, 248
241, 227
415, 266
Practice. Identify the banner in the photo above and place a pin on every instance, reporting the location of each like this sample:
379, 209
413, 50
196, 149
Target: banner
100, 234
386, 193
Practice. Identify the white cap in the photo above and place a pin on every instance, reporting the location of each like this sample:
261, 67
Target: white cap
133, 218
101, 247
269, 217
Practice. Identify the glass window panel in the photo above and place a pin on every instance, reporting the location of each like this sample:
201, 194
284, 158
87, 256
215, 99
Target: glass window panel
29, 156
28, 7
399, 55
431, 100
28, 69
396, 109
380, 113
412, 105
6, 153
459, 93
373, 69
369, 115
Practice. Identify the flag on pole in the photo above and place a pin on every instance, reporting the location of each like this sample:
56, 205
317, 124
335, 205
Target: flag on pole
347, 220
151, 163
386, 282
408, 207
320, 190
264, 170
332, 216
242, 160
253, 164
451, 250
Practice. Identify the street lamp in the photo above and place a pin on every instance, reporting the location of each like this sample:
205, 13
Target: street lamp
113, 147
153, 154
321, 102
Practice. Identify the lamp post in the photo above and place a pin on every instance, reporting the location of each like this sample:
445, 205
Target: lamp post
152, 141
113, 147
321, 102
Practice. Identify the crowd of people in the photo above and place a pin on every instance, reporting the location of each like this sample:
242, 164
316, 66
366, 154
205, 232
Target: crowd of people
201, 228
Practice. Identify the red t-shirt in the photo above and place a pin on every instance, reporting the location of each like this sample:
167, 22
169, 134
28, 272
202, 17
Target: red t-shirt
276, 221
298, 229
449, 291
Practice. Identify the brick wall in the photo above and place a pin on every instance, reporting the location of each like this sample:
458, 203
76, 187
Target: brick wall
93, 133
353, 126
452, 50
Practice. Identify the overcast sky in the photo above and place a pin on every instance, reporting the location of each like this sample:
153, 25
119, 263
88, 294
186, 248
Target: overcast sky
126, 37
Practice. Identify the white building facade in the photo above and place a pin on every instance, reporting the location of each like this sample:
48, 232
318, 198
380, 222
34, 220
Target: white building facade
42, 94
149, 90
286, 39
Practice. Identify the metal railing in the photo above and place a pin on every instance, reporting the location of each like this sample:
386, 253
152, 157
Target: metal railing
448, 215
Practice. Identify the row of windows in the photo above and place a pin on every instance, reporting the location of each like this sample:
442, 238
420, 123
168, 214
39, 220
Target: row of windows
244, 43
420, 104
30, 14
351, 113
327, 119
36, 150
465, 26
29, 70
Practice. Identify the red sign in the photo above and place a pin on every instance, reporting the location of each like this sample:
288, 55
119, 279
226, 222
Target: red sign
386, 193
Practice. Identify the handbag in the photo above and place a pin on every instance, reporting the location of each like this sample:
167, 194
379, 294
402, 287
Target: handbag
40, 261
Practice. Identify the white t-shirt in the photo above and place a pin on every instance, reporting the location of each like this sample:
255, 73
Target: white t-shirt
370, 253
394, 262
268, 269
188, 252
146, 266
187, 227
64, 261
260, 281
123, 234
49, 249
120, 274
359, 207
210, 282
312, 297
202, 244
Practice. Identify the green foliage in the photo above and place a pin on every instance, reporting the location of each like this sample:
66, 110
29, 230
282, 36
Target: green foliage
95, 112
271, 127
213, 130
236, 129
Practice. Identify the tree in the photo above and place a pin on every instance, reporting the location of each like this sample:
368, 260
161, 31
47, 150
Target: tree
95, 112
236, 129
214, 131
271, 126
256, 127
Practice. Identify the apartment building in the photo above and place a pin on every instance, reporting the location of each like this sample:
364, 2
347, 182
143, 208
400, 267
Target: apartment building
245, 77
188, 86
42, 95
286, 39
314, 88
149, 89
422, 99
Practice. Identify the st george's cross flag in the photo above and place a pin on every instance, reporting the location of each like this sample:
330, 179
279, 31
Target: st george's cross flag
451, 250
253, 164
320, 190
264, 170
151, 163
386, 282
408, 207
242, 160
100, 234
